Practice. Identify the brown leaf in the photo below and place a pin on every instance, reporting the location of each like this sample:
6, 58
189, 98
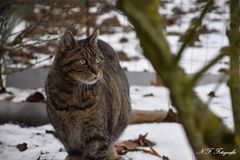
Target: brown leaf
8, 98
22, 147
35, 97
165, 158
123, 40
224, 70
51, 132
123, 56
143, 141
134, 58
212, 94
125, 146
153, 152
111, 22
136, 146
171, 116
148, 95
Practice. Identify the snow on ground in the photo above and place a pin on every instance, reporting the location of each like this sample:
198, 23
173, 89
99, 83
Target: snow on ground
170, 138
39, 142
220, 104
150, 98
19, 95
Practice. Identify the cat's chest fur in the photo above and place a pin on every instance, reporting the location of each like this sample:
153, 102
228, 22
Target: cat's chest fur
75, 98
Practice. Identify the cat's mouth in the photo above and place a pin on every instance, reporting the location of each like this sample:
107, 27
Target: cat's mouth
90, 81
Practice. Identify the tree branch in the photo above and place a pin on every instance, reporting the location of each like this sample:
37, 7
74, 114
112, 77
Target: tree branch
193, 29
6, 72
32, 27
199, 74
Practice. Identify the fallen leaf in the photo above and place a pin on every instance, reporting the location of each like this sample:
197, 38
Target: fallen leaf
22, 147
143, 141
165, 158
212, 94
123, 40
35, 97
137, 146
171, 116
123, 56
136, 89
148, 95
111, 22
51, 132
8, 98
155, 153
123, 147
224, 70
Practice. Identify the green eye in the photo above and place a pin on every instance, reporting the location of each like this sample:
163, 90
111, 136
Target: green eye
82, 61
98, 60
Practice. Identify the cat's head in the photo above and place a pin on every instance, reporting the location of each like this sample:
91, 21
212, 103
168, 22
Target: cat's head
80, 62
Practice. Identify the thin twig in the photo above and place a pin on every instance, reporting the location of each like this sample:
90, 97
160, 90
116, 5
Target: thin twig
192, 31
27, 67
199, 74
221, 80
32, 27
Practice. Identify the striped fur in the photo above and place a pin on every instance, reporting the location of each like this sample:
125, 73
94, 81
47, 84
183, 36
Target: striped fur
87, 116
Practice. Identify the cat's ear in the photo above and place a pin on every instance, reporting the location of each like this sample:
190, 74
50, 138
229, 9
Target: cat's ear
68, 41
94, 37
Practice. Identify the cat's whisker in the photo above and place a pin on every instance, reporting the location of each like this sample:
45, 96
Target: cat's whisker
104, 83
79, 91
76, 92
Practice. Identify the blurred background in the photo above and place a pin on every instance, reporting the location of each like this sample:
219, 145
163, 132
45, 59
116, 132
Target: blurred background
30, 32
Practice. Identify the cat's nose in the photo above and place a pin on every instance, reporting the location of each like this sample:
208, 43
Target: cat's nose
95, 69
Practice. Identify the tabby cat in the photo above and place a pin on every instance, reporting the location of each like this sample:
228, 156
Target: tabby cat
88, 100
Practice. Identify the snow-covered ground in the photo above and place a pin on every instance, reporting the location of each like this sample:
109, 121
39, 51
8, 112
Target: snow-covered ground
170, 138
45, 146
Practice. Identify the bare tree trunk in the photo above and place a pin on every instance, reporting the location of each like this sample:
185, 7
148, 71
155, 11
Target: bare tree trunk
234, 81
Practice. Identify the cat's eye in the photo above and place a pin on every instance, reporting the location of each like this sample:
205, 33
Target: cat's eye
98, 60
82, 61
